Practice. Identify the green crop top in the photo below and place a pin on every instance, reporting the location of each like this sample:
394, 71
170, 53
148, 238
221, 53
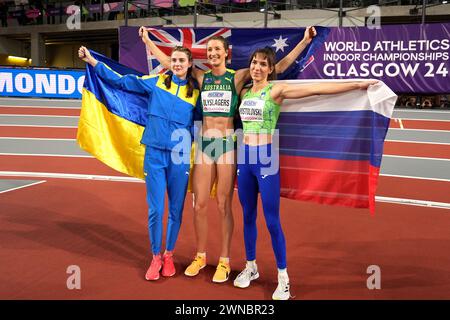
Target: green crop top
259, 113
218, 95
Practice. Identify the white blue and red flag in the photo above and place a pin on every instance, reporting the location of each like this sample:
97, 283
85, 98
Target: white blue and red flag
331, 146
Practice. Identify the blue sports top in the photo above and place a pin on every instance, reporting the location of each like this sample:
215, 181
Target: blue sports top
168, 109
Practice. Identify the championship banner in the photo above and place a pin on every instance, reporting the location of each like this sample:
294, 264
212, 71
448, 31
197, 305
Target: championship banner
410, 58
407, 58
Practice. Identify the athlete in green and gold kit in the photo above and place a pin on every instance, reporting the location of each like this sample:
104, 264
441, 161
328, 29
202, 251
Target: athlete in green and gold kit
216, 160
219, 99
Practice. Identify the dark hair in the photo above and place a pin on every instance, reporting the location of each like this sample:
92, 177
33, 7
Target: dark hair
190, 79
221, 39
268, 54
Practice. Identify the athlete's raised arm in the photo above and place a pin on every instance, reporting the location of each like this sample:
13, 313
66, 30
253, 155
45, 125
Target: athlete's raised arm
128, 82
283, 91
85, 55
243, 75
284, 63
163, 58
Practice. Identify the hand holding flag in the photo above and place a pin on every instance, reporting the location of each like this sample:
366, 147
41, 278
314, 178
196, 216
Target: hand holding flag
310, 33
143, 34
363, 85
85, 55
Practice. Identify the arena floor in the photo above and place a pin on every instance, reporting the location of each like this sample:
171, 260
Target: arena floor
60, 207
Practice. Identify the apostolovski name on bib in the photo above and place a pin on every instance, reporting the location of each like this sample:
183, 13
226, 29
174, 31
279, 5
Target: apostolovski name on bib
252, 110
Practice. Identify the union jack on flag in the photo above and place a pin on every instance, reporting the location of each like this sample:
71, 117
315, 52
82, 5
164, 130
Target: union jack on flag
167, 39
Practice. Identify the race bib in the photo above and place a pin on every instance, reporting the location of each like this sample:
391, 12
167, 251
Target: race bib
252, 110
216, 101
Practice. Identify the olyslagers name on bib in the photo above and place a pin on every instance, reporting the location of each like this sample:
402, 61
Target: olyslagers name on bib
252, 110
216, 101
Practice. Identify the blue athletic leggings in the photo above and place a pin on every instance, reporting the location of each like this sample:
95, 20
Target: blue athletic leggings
161, 173
252, 160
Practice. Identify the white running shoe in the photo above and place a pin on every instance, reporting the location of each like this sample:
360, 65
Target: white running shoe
282, 291
245, 277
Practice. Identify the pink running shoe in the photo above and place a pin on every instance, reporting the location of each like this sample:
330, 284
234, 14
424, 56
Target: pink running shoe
155, 267
168, 269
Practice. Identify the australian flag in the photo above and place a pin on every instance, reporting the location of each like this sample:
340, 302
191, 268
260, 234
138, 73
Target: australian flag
243, 41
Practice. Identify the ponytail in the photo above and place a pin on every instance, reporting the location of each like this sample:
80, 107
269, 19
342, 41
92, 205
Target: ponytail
168, 81
190, 84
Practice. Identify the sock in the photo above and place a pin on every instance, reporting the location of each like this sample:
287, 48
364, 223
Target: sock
225, 260
201, 254
252, 264
158, 255
168, 253
283, 273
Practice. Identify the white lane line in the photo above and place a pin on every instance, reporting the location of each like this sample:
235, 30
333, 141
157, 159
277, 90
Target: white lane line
90, 156
36, 115
423, 142
420, 111
418, 158
36, 126
69, 176
43, 99
40, 107
62, 175
45, 155
411, 177
414, 202
402, 201
402, 141
25, 138
414, 119
420, 130
25, 186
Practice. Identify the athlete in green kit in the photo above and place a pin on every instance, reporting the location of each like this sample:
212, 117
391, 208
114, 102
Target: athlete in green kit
216, 160
259, 110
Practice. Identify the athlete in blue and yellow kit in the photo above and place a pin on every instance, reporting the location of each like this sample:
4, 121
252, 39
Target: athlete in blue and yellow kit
215, 162
258, 163
171, 105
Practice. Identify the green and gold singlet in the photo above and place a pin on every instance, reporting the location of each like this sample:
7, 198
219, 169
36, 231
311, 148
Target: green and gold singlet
218, 95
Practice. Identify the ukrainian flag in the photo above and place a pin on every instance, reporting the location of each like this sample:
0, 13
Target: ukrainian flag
112, 121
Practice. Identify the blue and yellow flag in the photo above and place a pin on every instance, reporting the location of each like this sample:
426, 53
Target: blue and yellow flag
112, 121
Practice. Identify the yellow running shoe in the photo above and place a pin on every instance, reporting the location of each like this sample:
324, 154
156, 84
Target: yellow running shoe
194, 268
222, 272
